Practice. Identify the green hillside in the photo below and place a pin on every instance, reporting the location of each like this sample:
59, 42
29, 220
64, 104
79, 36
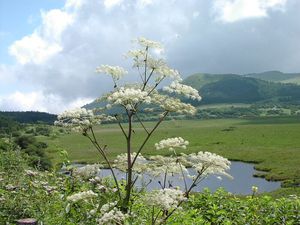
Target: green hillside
277, 76
29, 116
231, 88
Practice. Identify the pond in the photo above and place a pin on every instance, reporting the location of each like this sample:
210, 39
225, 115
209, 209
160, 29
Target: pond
241, 184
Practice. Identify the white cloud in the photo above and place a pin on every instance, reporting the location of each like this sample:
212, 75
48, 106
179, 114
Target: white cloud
75, 4
45, 41
8, 78
59, 57
235, 10
33, 49
196, 14
144, 3
4, 73
54, 23
111, 3
37, 101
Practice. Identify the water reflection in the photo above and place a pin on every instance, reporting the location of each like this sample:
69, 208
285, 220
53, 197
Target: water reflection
241, 184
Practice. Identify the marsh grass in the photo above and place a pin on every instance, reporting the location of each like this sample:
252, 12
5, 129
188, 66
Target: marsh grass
272, 143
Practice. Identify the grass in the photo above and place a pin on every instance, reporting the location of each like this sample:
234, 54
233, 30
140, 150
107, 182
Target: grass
272, 143
224, 105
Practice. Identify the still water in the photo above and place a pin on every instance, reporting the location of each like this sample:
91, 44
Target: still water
241, 183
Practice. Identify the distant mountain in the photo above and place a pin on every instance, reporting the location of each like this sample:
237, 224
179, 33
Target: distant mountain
30, 117
269, 86
277, 76
233, 88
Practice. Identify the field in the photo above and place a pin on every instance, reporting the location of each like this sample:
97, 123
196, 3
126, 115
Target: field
273, 143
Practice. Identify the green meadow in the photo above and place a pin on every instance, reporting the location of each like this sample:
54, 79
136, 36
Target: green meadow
272, 143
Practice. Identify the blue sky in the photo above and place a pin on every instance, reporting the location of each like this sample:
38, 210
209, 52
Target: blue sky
50, 48
19, 18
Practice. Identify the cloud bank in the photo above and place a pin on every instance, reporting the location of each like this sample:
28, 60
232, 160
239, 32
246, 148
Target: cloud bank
55, 64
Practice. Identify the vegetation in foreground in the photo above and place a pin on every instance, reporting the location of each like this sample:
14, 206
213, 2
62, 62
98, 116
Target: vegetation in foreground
54, 198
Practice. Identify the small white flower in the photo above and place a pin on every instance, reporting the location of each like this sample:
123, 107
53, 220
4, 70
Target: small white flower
31, 173
208, 163
173, 104
159, 165
140, 164
254, 189
171, 143
128, 97
148, 43
165, 199
87, 171
187, 91
92, 212
80, 119
68, 208
111, 217
116, 72
81, 195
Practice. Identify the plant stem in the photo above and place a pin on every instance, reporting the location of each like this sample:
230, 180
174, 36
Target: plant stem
103, 153
184, 180
129, 164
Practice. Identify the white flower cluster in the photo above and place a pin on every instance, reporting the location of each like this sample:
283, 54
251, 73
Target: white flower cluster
187, 91
87, 171
165, 71
159, 165
111, 215
31, 173
140, 164
155, 63
208, 163
165, 199
171, 143
143, 58
254, 189
80, 118
81, 196
106, 207
76, 113
128, 97
76, 119
148, 43
173, 104
137, 55
116, 72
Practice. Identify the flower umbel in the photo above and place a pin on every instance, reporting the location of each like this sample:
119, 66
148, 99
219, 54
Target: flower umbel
206, 163
116, 72
87, 171
187, 91
81, 196
171, 143
128, 97
165, 199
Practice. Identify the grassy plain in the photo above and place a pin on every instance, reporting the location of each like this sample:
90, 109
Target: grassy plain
272, 143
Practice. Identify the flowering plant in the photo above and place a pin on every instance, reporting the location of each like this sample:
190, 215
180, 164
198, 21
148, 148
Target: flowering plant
152, 72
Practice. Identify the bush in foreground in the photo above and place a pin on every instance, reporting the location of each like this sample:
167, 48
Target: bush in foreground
83, 198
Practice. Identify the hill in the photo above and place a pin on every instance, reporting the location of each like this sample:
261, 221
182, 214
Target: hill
277, 76
30, 117
232, 88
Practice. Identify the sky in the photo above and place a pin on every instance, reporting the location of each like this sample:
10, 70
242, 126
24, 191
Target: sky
49, 49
